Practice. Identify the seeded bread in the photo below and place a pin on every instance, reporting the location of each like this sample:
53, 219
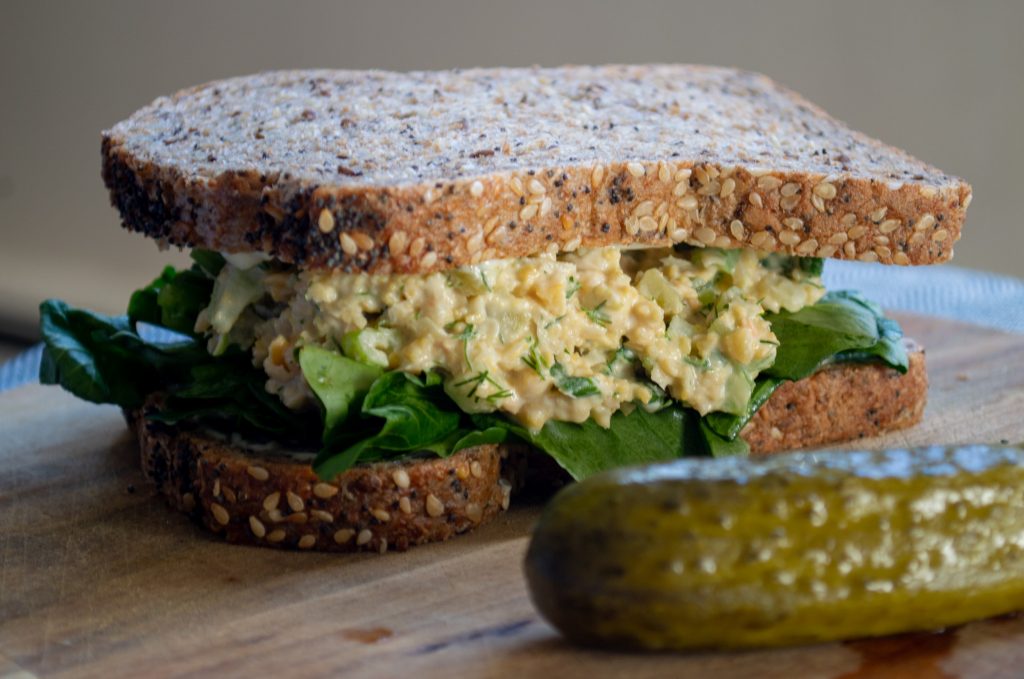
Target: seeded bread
413, 172
258, 498
277, 501
842, 402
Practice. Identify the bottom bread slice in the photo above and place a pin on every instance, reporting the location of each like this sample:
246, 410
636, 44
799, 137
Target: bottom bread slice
259, 497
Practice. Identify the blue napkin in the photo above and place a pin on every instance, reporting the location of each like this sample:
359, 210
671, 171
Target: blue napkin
947, 291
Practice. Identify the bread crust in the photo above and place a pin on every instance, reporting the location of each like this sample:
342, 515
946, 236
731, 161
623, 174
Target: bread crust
410, 173
842, 402
257, 498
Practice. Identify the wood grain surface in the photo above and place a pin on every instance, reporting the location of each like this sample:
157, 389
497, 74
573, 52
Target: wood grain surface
99, 578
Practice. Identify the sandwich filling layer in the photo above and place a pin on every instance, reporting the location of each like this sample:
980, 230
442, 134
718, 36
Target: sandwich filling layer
573, 338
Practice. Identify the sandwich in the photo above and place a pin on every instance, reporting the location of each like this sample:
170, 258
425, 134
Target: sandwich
411, 289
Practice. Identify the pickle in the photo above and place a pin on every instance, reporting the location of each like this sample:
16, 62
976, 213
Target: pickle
793, 549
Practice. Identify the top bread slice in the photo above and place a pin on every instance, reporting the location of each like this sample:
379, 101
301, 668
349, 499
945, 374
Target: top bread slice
413, 172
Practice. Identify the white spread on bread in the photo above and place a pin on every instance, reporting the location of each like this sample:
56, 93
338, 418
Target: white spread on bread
540, 338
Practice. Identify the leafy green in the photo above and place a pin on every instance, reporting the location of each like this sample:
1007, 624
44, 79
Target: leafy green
577, 387
338, 382
175, 298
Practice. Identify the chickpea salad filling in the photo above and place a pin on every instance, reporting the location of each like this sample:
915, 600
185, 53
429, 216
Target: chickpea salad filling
599, 357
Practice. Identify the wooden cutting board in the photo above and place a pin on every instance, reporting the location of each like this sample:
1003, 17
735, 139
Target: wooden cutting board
99, 578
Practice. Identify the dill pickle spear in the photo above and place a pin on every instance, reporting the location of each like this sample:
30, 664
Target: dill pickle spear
793, 549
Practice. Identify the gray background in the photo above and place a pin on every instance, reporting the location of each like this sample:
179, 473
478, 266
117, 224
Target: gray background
945, 80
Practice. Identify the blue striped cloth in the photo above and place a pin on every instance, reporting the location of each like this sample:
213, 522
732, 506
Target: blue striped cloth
947, 291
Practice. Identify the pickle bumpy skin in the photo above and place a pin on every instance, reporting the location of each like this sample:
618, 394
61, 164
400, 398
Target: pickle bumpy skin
793, 549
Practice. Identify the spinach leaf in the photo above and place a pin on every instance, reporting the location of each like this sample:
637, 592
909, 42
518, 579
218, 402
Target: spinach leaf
174, 299
338, 382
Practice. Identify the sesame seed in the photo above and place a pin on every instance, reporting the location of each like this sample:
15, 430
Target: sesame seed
763, 240
879, 214
789, 202
383, 546
850, 249
713, 171
567, 222
917, 238
857, 231
769, 182
258, 473
545, 206
712, 188
881, 240
528, 212
295, 502
848, 220
794, 223
755, 199
297, 517
636, 169
229, 495
681, 174
926, 222
663, 172
343, 536
476, 189
307, 541
574, 244
274, 515
476, 469
706, 235
516, 185
401, 478
497, 235
678, 235
687, 202
722, 242
321, 515
596, 175
681, 188
275, 535
325, 491
883, 252
434, 506
826, 251
825, 190
216, 488
789, 237
967, 200
429, 260
535, 186
429, 196
728, 186
901, 259
404, 505
381, 515
364, 536
257, 527
818, 203
648, 224
790, 189
325, 222
632, 225
348, 245
643, 209
889, 225
807, 247
270, 502
220, 513
868, 256
736, 229
663, 222
940, 235
838, 238
397, 243
702, 175
474, 512
363, 241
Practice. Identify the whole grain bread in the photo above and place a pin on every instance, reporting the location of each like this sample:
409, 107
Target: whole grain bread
257, 498
412, 172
